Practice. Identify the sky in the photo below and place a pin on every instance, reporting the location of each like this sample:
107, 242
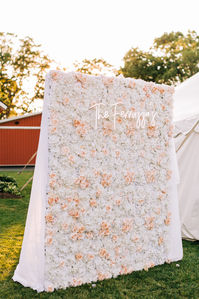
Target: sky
72, 30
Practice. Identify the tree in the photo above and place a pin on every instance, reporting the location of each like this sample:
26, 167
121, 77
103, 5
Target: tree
23, 66
173, 58
94, 67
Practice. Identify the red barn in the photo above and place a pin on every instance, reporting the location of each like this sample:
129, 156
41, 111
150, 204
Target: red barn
19, 137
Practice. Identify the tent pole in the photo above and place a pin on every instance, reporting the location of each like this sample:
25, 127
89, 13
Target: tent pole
187, 136
27, 163
29, 180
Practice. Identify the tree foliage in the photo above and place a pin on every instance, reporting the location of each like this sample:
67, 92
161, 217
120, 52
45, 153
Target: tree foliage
22, 65
94, 67
172, 58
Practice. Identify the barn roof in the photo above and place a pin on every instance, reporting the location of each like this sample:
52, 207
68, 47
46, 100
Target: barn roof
19, 117
2, 105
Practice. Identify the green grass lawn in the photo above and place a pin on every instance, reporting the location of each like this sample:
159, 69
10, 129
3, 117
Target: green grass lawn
165, 281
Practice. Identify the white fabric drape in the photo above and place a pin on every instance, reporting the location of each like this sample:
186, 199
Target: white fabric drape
30, 270
188, 189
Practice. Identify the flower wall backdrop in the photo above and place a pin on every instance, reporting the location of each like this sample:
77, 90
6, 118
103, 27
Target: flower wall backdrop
108, 176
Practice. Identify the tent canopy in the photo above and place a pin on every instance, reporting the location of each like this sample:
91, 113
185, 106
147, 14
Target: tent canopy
186, 99
186, 119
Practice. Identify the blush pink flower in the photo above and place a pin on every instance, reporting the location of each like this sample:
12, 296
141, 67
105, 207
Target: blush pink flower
52, 183
49, 241
54, 121
76, 236
162, 194
52, 200
117, 251
90, 256
81, 131
146, 90
167, 220
54, 75
50, 289
98, 193
114, 237
160, 241
65, 101
74, 213
76, 282
82, 154
124, 270
52, 175
169, 174
151, 131
150, 176
107, 131
63, 206
119, 120
53, 130
49, 218
126, 225
89, 235
104, 229
65, 150
163, 107
149, 223
82, 182
130, 130
108, 208
61, 264
103, 253
118, 202
106, 179
135, 239
81, 79
117, 153
97, 173
65, 226
139, 249
78, 256
161, 89
108, 81
170, 133
93, 202
154, 89
93, 152
131, 84
158, 211
114, 138
105, 151
71, 159
129, 177
79, 229
76, 123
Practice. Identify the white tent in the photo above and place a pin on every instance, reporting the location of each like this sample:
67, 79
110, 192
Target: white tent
186, 99
186, 120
